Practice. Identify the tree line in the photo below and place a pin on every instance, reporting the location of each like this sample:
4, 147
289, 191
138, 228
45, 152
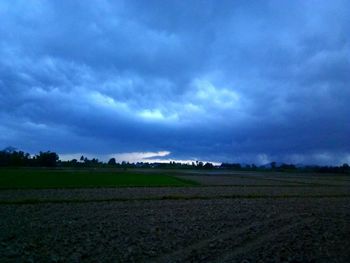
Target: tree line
19, 158
10, 157
273, 166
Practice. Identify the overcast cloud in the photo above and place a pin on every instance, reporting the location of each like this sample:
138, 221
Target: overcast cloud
237, 81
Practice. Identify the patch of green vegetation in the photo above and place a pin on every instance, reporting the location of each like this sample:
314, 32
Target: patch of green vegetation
30, 178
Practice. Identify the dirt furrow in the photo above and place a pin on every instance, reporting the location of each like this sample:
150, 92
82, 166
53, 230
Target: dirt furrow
216, 243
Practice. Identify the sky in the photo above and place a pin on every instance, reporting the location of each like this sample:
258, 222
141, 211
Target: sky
221, 81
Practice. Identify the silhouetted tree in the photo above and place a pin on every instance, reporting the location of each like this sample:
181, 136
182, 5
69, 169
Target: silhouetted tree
208, 166
234, 166
48, 159
112, 161
287, 167
273, 165
14, 158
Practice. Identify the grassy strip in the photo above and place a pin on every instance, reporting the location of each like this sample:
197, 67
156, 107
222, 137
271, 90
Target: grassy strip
91, 187
162, 198
187, 185
56, 179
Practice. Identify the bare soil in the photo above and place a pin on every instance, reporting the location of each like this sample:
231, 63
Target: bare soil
252, 223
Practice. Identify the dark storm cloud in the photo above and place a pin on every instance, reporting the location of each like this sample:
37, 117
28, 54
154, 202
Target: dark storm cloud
222, 81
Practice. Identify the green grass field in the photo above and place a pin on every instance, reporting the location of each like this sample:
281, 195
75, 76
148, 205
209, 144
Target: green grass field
29, 178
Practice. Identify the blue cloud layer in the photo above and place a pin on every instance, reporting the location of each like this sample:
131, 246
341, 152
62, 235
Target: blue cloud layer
221, 81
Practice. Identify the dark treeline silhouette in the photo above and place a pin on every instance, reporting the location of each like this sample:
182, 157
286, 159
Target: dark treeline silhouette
10, 157
19, 158
273, 166
85, 162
